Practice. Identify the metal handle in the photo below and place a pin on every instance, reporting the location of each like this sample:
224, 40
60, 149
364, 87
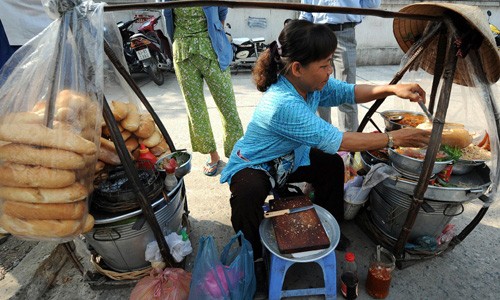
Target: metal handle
109, 232
453, 215
270, 214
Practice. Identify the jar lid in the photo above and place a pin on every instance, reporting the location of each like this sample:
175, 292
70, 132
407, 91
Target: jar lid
349, 256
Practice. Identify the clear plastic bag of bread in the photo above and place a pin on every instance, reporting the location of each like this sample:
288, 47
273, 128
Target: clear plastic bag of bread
50, 124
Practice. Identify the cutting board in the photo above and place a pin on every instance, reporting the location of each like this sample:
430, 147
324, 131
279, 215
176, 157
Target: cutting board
298, 232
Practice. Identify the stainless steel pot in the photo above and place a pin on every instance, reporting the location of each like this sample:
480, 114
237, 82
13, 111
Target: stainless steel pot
412, 167
389, 209
120, 246
183, 159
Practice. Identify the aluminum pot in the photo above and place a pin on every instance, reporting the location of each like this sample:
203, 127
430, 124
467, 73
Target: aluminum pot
390, 207
461, 167
392, 118
122, 247
411, 167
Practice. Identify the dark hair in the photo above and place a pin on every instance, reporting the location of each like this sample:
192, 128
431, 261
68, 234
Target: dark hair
301, 41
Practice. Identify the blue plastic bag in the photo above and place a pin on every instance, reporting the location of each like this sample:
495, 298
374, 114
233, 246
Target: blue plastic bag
229, 277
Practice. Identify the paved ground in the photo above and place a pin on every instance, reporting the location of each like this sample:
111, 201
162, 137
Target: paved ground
470, 271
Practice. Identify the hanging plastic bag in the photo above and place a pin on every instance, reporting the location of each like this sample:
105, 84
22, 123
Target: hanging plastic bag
169, 284
50, 120
230, 277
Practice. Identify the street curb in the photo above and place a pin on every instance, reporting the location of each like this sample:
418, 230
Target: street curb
34, 274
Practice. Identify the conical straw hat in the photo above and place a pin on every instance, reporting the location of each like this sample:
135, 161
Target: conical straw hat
464, 17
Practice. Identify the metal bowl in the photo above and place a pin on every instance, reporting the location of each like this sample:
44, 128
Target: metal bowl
412, 166
391, 118
461, 167
183, 163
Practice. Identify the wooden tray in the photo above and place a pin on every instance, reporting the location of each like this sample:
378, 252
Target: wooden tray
298, 232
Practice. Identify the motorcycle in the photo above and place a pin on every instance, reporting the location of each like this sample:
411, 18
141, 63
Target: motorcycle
245, 50
494, 30
148, 50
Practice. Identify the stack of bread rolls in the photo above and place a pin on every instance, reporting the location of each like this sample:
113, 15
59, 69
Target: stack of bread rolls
45, 173
136, 128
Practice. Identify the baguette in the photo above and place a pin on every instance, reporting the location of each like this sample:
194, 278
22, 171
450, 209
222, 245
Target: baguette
39, 135
454, 134
45, 157
17, 175
44, 211
42, 228
119, 109
161, 148
22, 118
71, 193
132, 120
153, 140
146, 127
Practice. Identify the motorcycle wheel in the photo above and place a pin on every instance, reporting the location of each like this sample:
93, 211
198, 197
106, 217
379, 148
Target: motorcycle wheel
154, 72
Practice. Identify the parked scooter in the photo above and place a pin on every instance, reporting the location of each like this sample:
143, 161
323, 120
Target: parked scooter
245, 50
148, 50
494, 30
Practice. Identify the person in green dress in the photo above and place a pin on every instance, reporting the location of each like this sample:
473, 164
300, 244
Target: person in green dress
201, 53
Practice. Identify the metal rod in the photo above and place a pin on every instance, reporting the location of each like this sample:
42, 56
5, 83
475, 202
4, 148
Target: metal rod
137, 185
273, 5
437, 129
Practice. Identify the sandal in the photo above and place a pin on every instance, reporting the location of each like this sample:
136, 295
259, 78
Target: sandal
211, 169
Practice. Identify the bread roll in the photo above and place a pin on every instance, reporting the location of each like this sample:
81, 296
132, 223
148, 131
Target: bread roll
161, 148
99, 165
17, 175
71, 99
44, 211
454, 134
119, 109
41, 228
132, 143
107, 133
109, 156
45, 157
89, 224
22, 118
146, 127
153, 140
71, 193
132, 120
39, 135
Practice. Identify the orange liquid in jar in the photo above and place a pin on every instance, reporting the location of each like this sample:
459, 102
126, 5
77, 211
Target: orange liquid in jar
378, 282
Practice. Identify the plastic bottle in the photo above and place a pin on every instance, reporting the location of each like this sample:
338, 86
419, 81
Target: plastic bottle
170, 179
349, 277
146, 159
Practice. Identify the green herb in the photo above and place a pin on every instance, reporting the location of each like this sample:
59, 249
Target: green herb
453, 152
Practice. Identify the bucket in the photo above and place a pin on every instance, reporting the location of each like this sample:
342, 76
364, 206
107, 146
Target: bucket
122, 247
351, 208
354, 197
390, 207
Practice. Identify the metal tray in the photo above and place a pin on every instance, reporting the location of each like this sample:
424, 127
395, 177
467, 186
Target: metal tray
470, 186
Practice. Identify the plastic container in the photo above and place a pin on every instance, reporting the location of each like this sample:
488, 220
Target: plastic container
349, 277
146, 159
379, 276
170, 180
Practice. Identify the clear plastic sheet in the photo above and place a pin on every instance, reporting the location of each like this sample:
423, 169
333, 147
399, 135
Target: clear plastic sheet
472, 103
50, 124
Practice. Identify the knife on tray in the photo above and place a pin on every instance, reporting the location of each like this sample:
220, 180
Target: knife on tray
270, 214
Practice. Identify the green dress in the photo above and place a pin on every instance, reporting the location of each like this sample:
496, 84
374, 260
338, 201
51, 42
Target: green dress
195, 61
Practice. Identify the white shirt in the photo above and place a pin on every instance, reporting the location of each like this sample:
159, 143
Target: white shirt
329, 18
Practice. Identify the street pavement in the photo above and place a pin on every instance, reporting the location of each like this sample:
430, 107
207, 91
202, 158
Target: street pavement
470, 271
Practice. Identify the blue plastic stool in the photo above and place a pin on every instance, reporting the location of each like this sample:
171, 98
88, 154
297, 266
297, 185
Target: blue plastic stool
279, 263
279, 266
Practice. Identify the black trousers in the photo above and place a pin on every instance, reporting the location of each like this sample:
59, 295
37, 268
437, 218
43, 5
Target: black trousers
250, 187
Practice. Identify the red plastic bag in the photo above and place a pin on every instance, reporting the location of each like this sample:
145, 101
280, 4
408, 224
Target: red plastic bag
169, 284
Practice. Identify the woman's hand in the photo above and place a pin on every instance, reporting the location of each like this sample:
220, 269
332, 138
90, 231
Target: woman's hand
411, 91
411, 137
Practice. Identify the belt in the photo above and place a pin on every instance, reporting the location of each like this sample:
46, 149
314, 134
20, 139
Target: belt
340, 27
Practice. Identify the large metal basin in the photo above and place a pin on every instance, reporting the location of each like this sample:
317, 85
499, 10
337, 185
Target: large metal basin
390, 115
122, 247
412, 167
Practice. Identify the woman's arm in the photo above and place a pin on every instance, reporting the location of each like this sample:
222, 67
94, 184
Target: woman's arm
407, 137
365, 93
